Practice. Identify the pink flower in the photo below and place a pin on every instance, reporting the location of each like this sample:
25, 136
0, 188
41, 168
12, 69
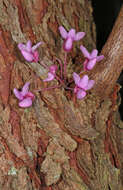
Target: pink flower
29, 52
70, 37
51, 73
24, 96
82, 84
91, 58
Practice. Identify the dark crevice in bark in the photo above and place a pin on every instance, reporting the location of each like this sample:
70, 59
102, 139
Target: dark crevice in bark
109, 188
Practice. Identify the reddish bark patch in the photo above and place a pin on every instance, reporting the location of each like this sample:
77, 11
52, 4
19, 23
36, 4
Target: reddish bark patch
5, 49
42, 146
10, 156
6, 64
73, 164
76, 21
53, 26
42, 142
15, 123
24, 20
77, 139
34, 177
114, 97
109, 146
39, 10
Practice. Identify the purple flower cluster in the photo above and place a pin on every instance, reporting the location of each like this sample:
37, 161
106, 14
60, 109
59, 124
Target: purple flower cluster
82, 85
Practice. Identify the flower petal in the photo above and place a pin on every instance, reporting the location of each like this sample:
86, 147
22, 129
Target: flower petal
53, 69
90, 84
99, 58
18, 94
85, 52
79, 36
36, 46
83, 82
76, 78
25, 88
63, 32
94, 53
21, 46
81, 94
27, 102
71, 34
27, 55
68, 44
49, 78
29, 45
91, 64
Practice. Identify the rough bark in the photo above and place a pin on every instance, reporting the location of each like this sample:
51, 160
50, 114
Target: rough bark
58, 143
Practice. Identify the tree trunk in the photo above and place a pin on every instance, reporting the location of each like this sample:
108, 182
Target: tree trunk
59, 143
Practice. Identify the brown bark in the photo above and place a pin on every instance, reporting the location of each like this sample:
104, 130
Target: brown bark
58, 143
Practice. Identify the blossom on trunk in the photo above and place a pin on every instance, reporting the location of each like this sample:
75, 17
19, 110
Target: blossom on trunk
24, 96
70, 37
29, 52
82, 85
91, 58
51, 73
